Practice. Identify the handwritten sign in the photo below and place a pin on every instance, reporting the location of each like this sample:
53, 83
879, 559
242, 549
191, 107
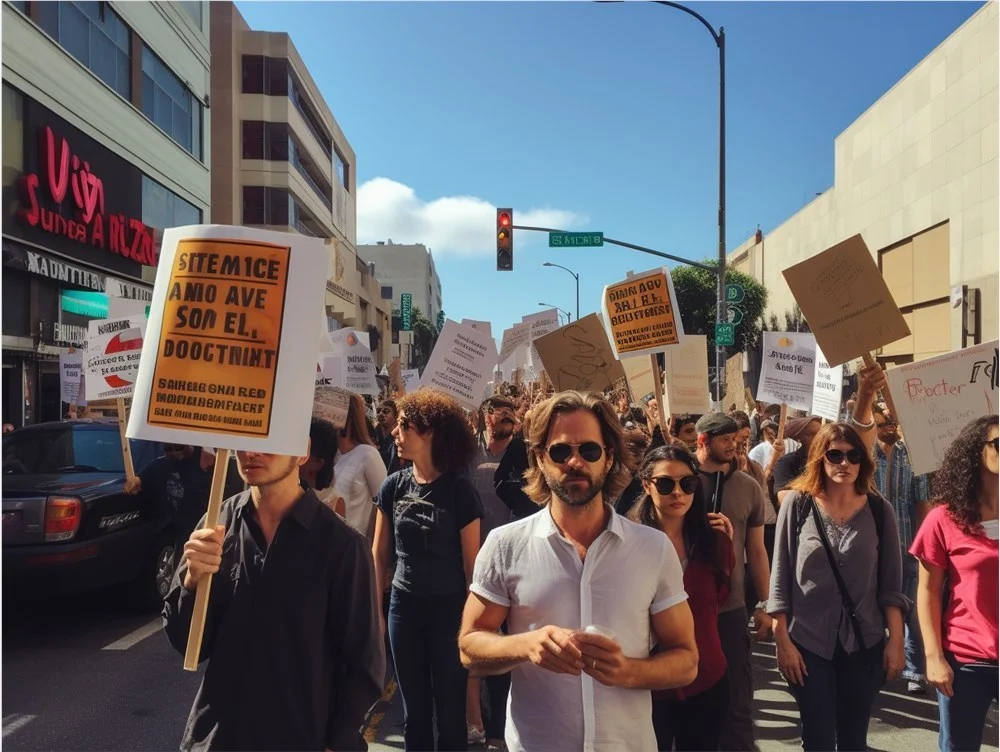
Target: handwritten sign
936, 399
461, 364
828, 388
114, 351
226, 361
788, 370
71, 376
734, 382
642, 314
518, 337
686, 376
541, 324
845, 299
579, 356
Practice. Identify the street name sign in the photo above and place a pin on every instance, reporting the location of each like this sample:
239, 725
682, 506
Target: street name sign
576, 239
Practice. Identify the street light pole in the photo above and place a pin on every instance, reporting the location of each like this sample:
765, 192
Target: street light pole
577, 278
565, 313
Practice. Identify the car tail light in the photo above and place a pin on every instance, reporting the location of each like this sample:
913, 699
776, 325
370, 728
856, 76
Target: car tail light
62, 518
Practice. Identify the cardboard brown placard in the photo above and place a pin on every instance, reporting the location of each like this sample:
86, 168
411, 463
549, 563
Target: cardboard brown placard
640, 380
734, 381
846, 301
396, 377
579, 356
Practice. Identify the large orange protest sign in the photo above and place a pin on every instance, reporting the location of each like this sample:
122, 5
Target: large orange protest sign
217, 355
642, 314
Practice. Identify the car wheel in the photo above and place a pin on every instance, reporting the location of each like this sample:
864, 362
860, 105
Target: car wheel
153, 583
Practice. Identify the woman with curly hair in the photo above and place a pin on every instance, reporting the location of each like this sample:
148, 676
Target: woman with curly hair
958, 542
674, 503
430, 513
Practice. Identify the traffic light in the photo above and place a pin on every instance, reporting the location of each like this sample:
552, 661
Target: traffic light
505, 240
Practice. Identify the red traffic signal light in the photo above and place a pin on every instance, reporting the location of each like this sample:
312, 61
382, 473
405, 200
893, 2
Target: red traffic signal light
505, 240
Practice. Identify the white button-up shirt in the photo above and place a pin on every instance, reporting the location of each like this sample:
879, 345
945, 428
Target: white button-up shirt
630, 572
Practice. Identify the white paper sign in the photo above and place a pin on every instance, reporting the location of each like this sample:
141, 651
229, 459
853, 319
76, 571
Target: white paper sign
462, 363
514, 347
238, 369
411, 379
541, 324
686, 376
936, 399
122, 307
114, 351
788, 370
332, 400
71, 376
827, 389
481, 326
359, 364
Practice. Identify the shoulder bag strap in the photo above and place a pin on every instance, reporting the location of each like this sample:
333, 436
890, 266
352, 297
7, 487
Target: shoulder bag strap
845, 596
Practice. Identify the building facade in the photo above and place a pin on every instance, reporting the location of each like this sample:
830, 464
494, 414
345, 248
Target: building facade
917, 176
281, 161
407, 269
106, 137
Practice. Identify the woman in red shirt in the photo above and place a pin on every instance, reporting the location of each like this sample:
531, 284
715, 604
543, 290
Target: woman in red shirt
958, 539
674, 503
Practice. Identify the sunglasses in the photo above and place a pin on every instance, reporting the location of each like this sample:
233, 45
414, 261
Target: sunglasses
385, 411
666, 485
836, 456
591, 451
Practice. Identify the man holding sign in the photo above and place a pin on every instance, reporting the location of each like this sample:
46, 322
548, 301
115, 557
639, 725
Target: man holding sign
295, 653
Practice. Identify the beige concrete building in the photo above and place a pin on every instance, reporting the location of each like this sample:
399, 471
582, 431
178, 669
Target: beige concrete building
281, 161
917, 176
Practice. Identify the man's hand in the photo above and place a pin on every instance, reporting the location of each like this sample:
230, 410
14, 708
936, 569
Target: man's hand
893, 657
133, 486
203, 555
603, 659
553, 649
721, 523
871, 380
763, 625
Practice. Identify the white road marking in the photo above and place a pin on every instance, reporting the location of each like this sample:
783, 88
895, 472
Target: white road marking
13, 722
135, 637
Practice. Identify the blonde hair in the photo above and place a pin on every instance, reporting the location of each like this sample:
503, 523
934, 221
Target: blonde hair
356, 428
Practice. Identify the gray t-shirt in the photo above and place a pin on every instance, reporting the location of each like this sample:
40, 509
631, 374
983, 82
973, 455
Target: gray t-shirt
484, 469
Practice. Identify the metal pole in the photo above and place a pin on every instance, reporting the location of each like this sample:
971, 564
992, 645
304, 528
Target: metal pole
722, 313
577, 296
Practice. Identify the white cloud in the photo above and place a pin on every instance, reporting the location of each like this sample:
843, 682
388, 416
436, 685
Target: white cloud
450, 225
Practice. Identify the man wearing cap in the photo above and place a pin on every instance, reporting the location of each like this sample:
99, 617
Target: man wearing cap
739, 497
790, 467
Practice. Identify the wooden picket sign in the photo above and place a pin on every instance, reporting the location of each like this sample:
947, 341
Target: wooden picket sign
783, 416
886, 395
126, 447
658, 393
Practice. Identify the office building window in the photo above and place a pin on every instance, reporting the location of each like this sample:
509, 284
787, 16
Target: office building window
162, 208
264, 140
276, 206
170, 104
194, 9
21, 5
340, 167
265, 75
96, 36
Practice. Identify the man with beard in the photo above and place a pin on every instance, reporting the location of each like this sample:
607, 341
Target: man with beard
733, 493
581, 614
294, 649
908, 494
385, 418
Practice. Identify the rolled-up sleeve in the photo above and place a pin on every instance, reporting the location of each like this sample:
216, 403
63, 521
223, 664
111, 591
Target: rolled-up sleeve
670, 580
488, 577
782, 567
890, 576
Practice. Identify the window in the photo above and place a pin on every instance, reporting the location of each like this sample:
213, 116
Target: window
16, 303
274, 142
340, 167
194, 9
298, 99
265, 75
277, 207
162, 208
170, 104
253, 74
96, 36
49, 450
21, 5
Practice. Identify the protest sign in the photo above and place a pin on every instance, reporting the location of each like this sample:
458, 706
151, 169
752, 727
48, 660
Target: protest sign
481, 326
540, 324
642, 314
514, 345
71, 376
227, 361
579, 356
936, 398
396, 382
846, 301
359, 363
411, 379
685, 371
122, 307
734, 383
639, 374
114, 350
788, 370
827, 389
331, 401
461, 363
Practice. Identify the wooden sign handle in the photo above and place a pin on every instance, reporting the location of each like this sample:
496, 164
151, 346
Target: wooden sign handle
126, 447
748, 396
197, 631
658, 393
782, 417
870, 362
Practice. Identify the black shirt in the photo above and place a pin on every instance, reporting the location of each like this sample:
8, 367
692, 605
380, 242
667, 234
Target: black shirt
181, 489
295, 653
788, 468
426, 523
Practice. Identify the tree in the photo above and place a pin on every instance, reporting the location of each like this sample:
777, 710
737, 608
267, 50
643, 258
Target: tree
425, 336
794, 321
697, 297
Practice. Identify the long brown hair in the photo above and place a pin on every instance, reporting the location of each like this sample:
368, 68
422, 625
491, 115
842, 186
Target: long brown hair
356, 428
537, 424
813, 479
453, 446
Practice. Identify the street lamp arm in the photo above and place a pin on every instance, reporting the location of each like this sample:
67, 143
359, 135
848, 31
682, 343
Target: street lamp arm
678, 6
560, 266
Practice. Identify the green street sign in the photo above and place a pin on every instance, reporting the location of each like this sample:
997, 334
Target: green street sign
405, 311
725, 335
440, 321
734, 294
735, 315
576, 239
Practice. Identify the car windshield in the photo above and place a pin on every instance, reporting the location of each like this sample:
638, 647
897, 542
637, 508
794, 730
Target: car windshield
62, 449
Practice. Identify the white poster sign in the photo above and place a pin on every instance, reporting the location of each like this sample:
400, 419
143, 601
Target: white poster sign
227, 360
359, 364
828, 388
114, 351
788, 371
936, 399
515, 343
71, 377
411, 379
541, 323
482, 326
121, 307
686, 376
332, 400
462, 363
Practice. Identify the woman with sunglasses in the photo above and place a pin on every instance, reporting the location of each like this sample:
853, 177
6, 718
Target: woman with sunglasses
958, 540
835, 587
430, 512
674, 503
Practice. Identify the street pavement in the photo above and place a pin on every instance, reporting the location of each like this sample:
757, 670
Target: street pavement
90, 673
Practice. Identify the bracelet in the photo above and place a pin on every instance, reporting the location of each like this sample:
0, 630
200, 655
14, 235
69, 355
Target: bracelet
863, 426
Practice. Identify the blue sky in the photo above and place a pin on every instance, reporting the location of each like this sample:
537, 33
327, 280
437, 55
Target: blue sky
591, 116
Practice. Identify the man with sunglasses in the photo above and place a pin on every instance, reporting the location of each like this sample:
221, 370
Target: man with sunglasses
738, 497
581, 614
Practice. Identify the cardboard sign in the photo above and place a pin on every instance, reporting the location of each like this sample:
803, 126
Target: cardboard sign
685, 376
71, 377
480, 326
788, 370
461, 364
579, 356
936, 399
734, 382
396, 377
114, 351
639, 374
540, 324
827, 388
642, 314
227, 360
846, 302
331, 401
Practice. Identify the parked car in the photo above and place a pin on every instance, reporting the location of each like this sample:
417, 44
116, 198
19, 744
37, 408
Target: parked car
68, 526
